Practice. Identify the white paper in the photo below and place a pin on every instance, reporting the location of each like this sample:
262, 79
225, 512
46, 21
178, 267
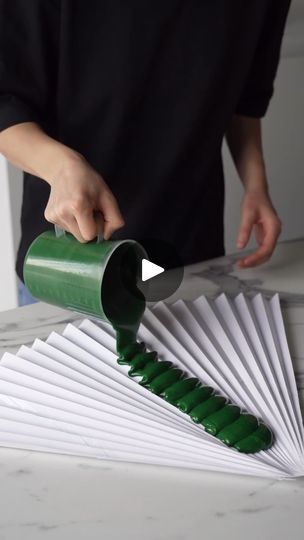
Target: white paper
69, 395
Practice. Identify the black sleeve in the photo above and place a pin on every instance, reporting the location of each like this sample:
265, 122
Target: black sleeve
28, 60
259, 85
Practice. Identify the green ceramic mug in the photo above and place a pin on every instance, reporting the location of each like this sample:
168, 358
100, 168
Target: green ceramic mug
97, 278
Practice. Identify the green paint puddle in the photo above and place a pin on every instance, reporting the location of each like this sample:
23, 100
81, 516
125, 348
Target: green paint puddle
124, 306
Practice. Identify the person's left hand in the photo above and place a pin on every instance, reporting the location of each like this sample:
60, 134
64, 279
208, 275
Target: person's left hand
258, 214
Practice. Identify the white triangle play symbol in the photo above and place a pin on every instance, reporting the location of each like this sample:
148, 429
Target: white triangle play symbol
150, 270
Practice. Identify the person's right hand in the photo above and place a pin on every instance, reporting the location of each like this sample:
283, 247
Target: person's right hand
81, 203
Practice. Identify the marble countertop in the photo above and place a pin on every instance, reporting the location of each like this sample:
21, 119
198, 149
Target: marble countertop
61, 497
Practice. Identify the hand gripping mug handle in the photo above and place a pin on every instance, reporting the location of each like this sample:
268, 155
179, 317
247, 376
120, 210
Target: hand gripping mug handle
61, 232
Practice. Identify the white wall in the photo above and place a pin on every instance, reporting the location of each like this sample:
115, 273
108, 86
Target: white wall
284, 150
8, 288
283, 140
15, 189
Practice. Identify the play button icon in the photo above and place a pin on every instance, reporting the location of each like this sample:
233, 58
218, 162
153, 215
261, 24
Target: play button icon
157, 280
149, 270
160, 279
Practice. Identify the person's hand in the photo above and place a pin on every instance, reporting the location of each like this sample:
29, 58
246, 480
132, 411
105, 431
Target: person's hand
258, 214
81, 203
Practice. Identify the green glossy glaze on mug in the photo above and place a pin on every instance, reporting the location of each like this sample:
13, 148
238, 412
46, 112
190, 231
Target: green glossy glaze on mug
210, 406
238, 430
220, 419
73, 275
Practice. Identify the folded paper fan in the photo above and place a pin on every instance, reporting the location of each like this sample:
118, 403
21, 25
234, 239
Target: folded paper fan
69, 395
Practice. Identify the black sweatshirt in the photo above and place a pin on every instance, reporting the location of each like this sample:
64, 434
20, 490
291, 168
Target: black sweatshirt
144, 89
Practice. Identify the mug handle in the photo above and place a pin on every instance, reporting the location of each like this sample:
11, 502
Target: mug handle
61, 232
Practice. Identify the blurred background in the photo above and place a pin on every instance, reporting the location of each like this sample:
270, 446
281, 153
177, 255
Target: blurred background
284, 152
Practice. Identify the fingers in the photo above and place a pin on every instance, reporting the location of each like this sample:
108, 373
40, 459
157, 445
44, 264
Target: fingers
66, 222
112, 216
70, 225
80, 218
245, 229
88, 226
76, 218
268, 233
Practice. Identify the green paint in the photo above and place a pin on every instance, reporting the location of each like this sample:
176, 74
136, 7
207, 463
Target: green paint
101, 280
260, 439
124, 308
210, 406
179, 389
187, 402
163, 381
152, 371
220, 419
239, 429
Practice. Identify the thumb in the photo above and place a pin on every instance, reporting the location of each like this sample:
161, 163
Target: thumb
247, 221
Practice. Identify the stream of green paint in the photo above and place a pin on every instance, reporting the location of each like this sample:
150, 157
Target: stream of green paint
214, 412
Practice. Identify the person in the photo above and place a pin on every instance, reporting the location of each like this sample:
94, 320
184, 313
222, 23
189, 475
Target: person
117, 111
